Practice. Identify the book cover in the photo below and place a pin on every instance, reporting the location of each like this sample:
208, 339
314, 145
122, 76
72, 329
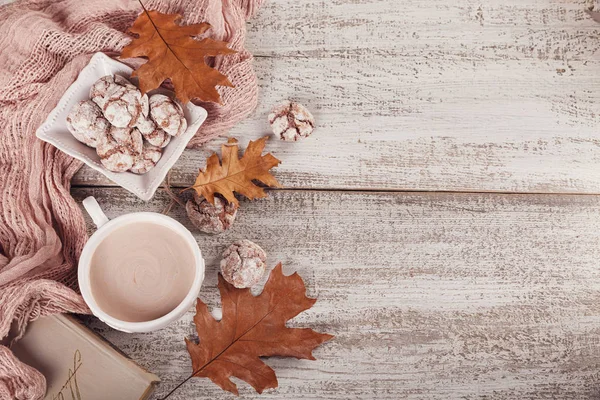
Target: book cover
79, 364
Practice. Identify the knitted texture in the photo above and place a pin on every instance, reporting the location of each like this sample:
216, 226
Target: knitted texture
45, 43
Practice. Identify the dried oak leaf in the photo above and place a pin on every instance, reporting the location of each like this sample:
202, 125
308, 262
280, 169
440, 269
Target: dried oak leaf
236, 174
252, 327
173, 53
595, 15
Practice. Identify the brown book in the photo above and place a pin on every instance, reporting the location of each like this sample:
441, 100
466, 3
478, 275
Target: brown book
80, 365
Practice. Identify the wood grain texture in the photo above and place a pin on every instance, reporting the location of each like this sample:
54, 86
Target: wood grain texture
430, 296
427, 95
437, 296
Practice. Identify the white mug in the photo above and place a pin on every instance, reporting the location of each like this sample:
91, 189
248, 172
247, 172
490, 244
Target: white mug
105, 228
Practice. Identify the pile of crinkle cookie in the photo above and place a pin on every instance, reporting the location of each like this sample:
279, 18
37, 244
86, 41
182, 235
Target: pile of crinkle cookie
127, 129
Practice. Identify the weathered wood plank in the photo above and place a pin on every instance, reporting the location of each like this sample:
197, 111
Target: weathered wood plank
517, 126
428, 95
436, 29
432, 296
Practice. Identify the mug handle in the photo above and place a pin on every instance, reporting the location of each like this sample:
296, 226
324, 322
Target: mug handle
93, 209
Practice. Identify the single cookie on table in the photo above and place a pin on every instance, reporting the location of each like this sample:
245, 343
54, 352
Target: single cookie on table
119, 148
209, 218
167, 114
243, 264
291, 121
86, 123
147, 159
153, 134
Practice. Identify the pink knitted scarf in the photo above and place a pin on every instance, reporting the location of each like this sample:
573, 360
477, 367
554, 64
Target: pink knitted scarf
45, 43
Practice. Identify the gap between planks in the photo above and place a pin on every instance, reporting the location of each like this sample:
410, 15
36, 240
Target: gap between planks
372, 190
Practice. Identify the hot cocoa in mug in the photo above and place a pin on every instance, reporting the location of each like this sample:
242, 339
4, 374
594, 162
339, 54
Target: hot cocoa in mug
140, 271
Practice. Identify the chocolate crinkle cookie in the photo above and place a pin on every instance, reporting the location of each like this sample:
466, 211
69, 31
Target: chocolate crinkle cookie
209, 218
101, 88
243, 264
122, 107
119, 148
167, 114
128, 129
291, 121
146, 159
153, 134
109, 84
86, 123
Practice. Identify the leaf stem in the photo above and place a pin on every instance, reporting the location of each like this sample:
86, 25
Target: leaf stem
143, 8
181, 383
192, 375
167, 187
222, 351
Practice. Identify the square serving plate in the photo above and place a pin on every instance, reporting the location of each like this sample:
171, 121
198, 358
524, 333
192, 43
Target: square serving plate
54, 129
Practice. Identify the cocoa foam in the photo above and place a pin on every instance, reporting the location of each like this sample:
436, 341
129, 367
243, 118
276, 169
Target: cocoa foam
141, 272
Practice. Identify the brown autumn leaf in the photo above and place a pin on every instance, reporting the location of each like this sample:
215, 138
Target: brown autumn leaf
252, 327
595, 15
236, 174
173, 53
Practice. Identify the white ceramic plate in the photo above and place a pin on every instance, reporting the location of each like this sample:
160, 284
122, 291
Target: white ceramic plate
54, 130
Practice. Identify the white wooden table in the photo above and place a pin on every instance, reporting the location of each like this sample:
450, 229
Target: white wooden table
446, 213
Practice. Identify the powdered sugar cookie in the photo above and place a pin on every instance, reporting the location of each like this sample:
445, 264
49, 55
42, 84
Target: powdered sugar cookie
154, 135
122, 106
243, 264
182, 127
211, 218
145, 103
291, 121
122, 81
167, 114
119, 148
101, 88
148, 158
86, 123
